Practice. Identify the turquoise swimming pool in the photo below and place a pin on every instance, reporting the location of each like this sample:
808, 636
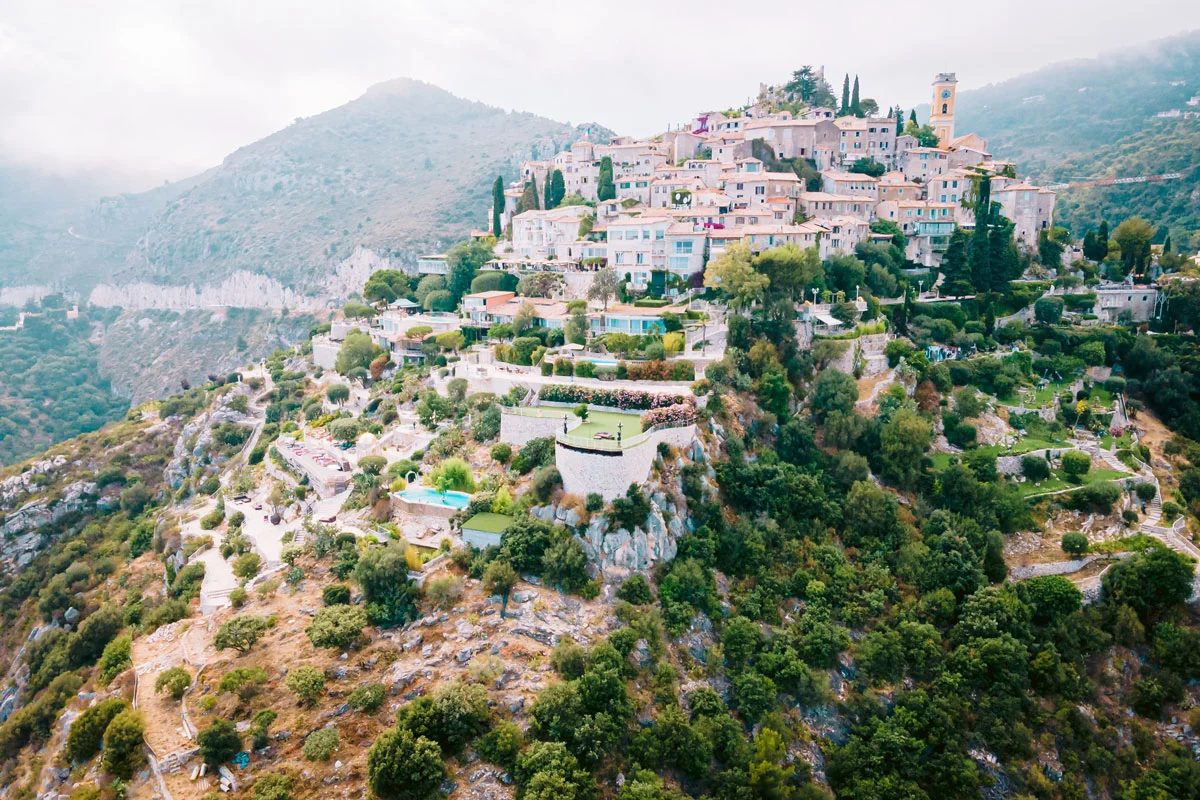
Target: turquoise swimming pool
432, 497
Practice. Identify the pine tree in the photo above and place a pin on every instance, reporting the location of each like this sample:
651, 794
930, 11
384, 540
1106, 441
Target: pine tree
855, 104
497, 205
605, 190
845, 95
981, 268
956, 280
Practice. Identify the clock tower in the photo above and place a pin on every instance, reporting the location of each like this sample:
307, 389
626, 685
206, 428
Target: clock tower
941, 113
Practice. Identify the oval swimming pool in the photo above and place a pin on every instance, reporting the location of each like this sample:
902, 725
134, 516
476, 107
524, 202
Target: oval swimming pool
430, 496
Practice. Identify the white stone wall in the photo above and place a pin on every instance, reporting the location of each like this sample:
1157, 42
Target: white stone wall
609, 473
325, 352
480, 540
518, 429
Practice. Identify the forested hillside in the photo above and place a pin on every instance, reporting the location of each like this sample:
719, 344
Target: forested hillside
50, 383
1097, 118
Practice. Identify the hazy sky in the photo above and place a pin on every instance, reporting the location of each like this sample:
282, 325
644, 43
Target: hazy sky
166, 88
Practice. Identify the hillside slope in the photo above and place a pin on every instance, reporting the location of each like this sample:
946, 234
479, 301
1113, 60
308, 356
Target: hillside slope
1097, 118
405, 167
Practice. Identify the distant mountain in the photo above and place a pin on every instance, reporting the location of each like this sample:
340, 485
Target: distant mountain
404, 168
1098, 118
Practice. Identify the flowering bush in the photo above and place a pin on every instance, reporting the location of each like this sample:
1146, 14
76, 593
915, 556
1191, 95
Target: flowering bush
613, 398
681, 413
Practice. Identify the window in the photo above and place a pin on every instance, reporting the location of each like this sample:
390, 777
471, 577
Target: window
760, 190
678, 263
645, 235
683, 247
640, 258
658, 234
944, 108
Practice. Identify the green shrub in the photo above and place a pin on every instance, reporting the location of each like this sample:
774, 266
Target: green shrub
273, 786
336, 594
1146, 491
87, 732
501, 453
115, 659
247, 566
544, 483
320, 744
367, 698
402, 766
635, 590
259, 726
307, 683
1074, 543
1076, 463
240, 632
123, 745
337, 627
243, 681
219, 742
175, 681
453, 715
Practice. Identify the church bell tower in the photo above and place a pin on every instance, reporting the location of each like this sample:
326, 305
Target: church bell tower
941, 113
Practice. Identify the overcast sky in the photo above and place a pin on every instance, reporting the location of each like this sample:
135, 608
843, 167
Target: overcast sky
165, 88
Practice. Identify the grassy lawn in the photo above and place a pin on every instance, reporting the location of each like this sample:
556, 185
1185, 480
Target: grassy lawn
597, 421
1044, 396
1106, 442
1058, 481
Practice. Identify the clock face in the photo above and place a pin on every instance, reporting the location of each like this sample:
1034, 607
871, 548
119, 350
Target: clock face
945, 94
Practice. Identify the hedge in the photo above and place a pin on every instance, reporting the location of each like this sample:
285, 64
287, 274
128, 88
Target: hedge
615, 398
680, 413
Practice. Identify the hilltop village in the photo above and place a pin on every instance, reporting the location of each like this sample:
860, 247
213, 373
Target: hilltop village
792, 453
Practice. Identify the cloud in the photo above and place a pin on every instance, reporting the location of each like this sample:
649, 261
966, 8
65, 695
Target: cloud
170, 87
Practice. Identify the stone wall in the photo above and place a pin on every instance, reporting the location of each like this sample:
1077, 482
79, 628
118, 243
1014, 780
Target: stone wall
609, 473
871, 347
518, 429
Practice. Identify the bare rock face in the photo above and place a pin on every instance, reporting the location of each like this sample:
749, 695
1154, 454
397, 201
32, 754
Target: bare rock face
245, 289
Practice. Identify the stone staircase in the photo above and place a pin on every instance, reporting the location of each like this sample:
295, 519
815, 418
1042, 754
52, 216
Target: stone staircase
1154, 510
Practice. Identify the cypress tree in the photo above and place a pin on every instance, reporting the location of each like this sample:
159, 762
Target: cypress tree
957, 274
1005, 262
1089, 245
855, 104
1167, 245
497, 205
605, 190
547, 201
1102, 241
556, 189
912, 116
529, 198
981, 268
845, 95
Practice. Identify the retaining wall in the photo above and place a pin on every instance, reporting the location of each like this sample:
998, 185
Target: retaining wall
873, 359
518, 429
610, 472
